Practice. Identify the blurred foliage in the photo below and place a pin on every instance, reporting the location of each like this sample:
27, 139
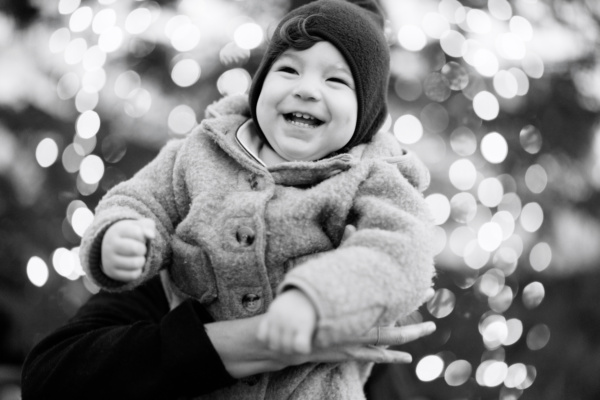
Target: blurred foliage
42, 96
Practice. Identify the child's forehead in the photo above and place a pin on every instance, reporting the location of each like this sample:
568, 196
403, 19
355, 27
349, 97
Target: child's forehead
328, 50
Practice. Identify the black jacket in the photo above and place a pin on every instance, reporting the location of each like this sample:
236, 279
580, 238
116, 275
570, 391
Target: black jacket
127, 346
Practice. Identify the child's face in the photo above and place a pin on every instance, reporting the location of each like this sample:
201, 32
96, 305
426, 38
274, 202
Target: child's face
307, 107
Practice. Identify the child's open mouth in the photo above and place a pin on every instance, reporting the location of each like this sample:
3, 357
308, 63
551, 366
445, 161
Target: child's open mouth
302, 120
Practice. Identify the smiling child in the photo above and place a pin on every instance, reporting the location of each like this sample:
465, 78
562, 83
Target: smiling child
248, 214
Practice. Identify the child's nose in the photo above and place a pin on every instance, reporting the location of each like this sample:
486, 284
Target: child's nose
307, 90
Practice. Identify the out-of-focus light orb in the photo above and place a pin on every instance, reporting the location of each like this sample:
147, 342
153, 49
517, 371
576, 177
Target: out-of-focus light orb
538, 337
439, 207
104, 20
408, 129
88, 124
500, 9
408, 89
111, 39
429, 368
505, 259
506, 222
107, 2
522, 27
75, 50
490, 192
491, 373
138, 103
435, 117
511, 202
531, 139
439, 240
489, 236
479, 21
510, 46
175, 22
486, 105
540, 256
85, 189
138, 21
71, 159
505, 84
84, 146
412, 38
458, 372
186, 72
515, 331
68, 6
93, 59
452, 10
63, 261
460, 239
126, 83
463, 207
93, 81
533, 295
532, 217
533, 65
81, 19
483, 215
82, 218
435, 25
485, 62
463, 141
475, 256
463, 174
493, 329
501, 301
46, 152
522, 81
186, 37
436, 87
516, 375
234, 81
248, 36
182, 119
85, 100
456, 75
91, 169
37, 271
453, 43
74, 205
536, 178
59, 40
442, 303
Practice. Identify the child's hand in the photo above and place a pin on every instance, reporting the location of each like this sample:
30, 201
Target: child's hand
289, 324
124, 248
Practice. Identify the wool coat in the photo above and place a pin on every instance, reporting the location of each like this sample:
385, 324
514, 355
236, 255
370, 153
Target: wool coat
233, 232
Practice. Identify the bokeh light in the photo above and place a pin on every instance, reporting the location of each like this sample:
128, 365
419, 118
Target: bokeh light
37, 271
46, 152
408, 129
429, 368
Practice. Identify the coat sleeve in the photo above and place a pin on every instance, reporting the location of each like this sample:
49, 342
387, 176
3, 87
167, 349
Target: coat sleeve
383, 270
158, 192
126, 346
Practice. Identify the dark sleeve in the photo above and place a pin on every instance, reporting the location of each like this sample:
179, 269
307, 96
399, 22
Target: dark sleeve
127, 346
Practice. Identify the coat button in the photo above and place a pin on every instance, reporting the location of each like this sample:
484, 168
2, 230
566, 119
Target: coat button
257, 183
252, 302
245, 235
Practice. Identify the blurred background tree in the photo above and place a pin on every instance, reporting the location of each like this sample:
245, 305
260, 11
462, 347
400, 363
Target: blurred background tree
500, 99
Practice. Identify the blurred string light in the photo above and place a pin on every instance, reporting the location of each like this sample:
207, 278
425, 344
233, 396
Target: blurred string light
483, 219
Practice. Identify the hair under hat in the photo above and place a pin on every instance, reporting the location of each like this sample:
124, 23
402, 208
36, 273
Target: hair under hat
355, 28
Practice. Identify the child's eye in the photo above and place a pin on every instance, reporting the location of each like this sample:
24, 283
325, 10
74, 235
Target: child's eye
287, 70
340, 80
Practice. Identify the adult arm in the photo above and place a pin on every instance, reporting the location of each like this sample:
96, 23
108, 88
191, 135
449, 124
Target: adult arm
127, 345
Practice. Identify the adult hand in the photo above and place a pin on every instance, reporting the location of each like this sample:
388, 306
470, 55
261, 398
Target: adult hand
244, 355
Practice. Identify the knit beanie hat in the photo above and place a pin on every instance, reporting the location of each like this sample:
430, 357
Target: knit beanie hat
355, 28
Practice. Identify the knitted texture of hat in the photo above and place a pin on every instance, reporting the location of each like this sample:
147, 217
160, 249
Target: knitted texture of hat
355, 28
